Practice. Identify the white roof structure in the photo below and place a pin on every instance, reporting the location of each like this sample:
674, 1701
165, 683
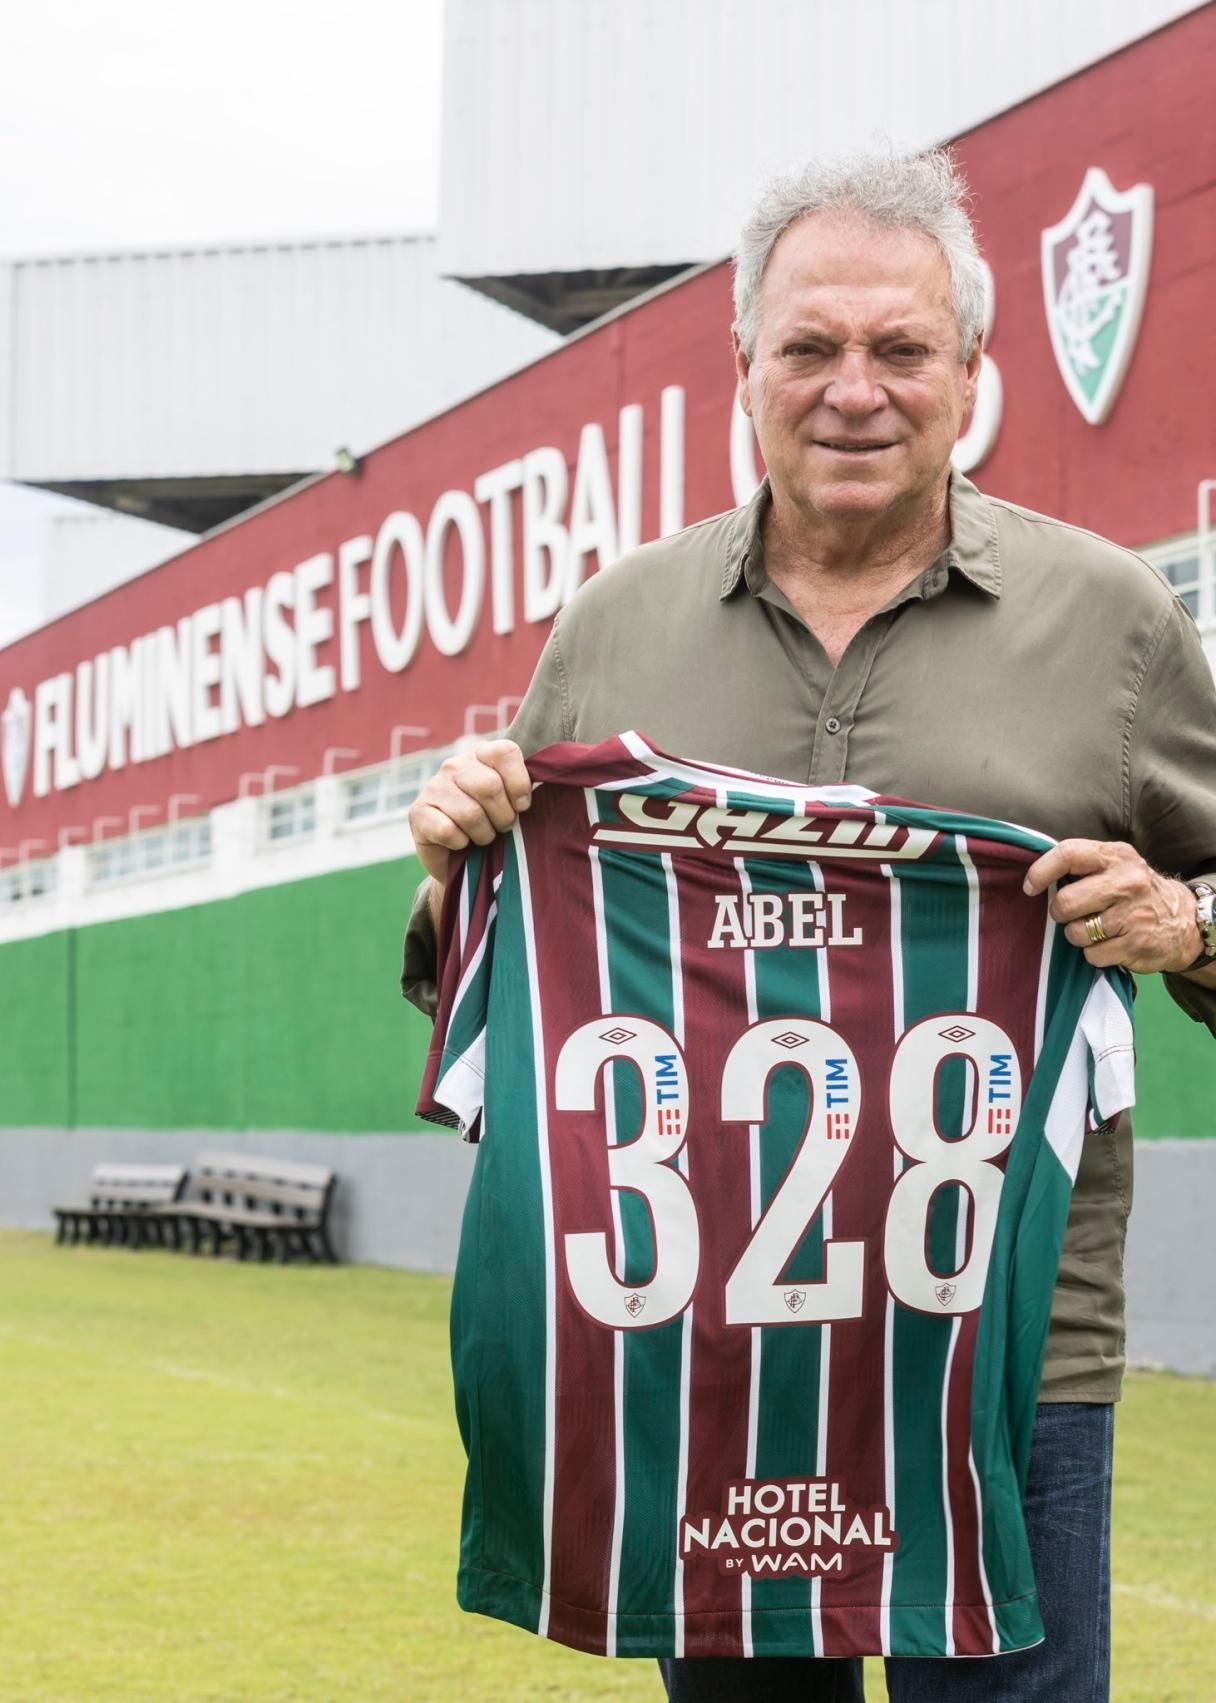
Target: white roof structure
647, 128
186, 385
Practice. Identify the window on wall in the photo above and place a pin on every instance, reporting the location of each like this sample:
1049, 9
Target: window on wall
26, 882
290, 815
388, 790
159, 850
1190, 566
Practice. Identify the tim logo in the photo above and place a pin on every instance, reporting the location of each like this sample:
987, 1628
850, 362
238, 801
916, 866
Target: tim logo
1000, 1094
836, 1100
667, 1094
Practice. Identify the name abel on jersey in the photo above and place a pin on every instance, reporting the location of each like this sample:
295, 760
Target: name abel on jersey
760, 920
768, 1527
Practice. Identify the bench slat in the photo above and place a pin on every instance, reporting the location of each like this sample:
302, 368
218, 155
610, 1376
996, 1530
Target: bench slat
269, 1170
280, 1194
243, 1215
114, 1186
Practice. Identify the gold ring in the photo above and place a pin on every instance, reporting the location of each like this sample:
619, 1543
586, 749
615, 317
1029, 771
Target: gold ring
1093, 928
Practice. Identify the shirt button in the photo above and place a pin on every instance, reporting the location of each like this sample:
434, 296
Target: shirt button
832, 724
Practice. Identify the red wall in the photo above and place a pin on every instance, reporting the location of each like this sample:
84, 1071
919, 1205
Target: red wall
1145, 115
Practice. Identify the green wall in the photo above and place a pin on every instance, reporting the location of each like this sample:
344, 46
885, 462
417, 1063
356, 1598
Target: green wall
1175, 1068
280, 1009
36, 1042
277, 1009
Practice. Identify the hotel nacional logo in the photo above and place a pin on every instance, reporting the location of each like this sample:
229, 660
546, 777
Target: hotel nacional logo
1095, 278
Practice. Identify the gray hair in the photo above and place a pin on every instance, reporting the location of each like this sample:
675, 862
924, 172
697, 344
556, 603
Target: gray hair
914, 192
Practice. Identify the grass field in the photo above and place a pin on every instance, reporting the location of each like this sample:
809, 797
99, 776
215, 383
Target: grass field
232, 1482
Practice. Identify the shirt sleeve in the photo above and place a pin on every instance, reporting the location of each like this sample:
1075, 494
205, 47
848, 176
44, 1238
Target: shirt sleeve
452, 1080
1106, 1023
542, 719
1170, 764
1097, 1081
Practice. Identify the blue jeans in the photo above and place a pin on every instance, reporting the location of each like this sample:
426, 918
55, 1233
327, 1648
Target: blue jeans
1068, 1522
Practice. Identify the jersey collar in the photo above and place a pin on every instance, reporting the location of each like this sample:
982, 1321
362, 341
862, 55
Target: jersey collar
972, 551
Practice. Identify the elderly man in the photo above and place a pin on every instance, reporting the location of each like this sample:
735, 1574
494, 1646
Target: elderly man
870, 617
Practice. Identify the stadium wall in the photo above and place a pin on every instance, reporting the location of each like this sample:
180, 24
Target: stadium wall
251, 998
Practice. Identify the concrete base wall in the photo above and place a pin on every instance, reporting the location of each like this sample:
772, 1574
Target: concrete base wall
400, 1199
1171, 1257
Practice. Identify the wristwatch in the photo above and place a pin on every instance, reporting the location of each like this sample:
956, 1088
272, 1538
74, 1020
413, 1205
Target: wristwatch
1205, 900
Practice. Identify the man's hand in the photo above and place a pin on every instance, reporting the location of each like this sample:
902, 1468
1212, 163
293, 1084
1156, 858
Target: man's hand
1149, 920
473, 797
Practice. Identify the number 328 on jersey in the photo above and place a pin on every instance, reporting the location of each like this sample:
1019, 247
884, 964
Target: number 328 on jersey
653, 1164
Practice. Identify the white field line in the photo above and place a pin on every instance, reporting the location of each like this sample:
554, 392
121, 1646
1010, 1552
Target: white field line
1162, 1599
200, 1375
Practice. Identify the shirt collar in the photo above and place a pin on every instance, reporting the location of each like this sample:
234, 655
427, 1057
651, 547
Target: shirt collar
972, 550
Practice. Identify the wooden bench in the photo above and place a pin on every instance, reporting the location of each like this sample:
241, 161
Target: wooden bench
262, 1206
126, 1203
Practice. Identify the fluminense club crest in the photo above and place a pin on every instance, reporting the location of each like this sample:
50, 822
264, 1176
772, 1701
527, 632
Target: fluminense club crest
1095, 277
15, 744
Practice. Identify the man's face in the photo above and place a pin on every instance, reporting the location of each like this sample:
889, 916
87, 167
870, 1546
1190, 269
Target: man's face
855, 388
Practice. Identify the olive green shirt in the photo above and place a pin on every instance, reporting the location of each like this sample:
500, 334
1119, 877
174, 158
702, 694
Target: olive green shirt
1034, 673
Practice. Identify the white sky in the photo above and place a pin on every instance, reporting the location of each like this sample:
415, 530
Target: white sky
125, 123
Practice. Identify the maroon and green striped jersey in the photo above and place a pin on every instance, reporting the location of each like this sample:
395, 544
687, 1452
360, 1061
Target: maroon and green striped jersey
780, 1096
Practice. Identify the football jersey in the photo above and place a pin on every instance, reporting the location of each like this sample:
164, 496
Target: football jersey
780, 1095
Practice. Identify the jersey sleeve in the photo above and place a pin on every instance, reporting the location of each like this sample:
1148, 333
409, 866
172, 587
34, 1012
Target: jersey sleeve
452, 1081
1106, 1023
1096, 1080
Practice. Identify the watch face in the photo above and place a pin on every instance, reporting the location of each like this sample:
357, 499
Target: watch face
1207, 916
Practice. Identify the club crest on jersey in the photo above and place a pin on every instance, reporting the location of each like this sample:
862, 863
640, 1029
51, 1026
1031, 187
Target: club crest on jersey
1095, 265
945, 1293
666, 824
795, 1299
634, 1304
